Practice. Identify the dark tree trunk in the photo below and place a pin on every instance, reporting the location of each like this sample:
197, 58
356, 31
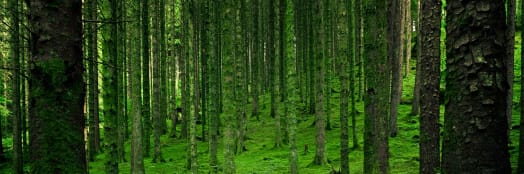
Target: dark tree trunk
430, 81
15, 54
57, 88
476, 88
394, 48
146, 92
377, 80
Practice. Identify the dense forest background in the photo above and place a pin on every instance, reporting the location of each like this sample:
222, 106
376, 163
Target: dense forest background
261, 86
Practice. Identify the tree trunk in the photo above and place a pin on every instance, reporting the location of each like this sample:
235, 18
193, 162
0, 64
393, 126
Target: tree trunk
476, 88
15, 46
228, 16
430, 81
57, 88
92, 49
394, 45
415, 107
509, 61
320, 54
137, 149
377, 88
344, 9
110, 92
157, 97
146, 92
214, 88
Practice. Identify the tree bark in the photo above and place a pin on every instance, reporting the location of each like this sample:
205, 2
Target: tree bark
377, 88
430, 88
476, 88
57, 88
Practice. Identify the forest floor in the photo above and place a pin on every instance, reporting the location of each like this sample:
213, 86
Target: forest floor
262, 157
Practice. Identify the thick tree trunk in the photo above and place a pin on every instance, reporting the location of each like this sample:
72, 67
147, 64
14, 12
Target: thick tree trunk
57, 88
476, 88
430, 81
228, 16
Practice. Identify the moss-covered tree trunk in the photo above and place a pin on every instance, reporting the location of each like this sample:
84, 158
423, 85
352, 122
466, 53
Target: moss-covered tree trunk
137, 149
57, 88
430, 81
15, 45
92, 49
344, 53
272, 59
110, 86
228, 16
377, 88
146, 92
157, 97
195, 21
476, 87
394, 48
214, 110
319, 56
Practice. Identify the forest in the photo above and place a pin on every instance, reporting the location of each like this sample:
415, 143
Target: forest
261, 86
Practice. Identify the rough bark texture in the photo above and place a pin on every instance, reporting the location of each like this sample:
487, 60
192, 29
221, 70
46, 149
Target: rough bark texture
430, 89
377, 88
475, 139
57, 88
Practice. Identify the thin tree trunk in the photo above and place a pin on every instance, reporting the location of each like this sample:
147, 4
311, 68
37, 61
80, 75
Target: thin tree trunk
137, 149
415, 107
18, 163
146, 92
430, 81
394, 52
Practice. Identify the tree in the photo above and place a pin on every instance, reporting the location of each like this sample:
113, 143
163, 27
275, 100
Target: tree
195, 19
15, 54
344, 92
110, 84
228, 16
146, 92
475, 116
377, 88
430, 81
137, 149
157, 97
509, 61
415, 107
394, 48
57, 88
320, 54
214, 86
92, 52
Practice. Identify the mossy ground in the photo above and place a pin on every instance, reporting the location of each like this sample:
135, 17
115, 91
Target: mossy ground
262, 157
